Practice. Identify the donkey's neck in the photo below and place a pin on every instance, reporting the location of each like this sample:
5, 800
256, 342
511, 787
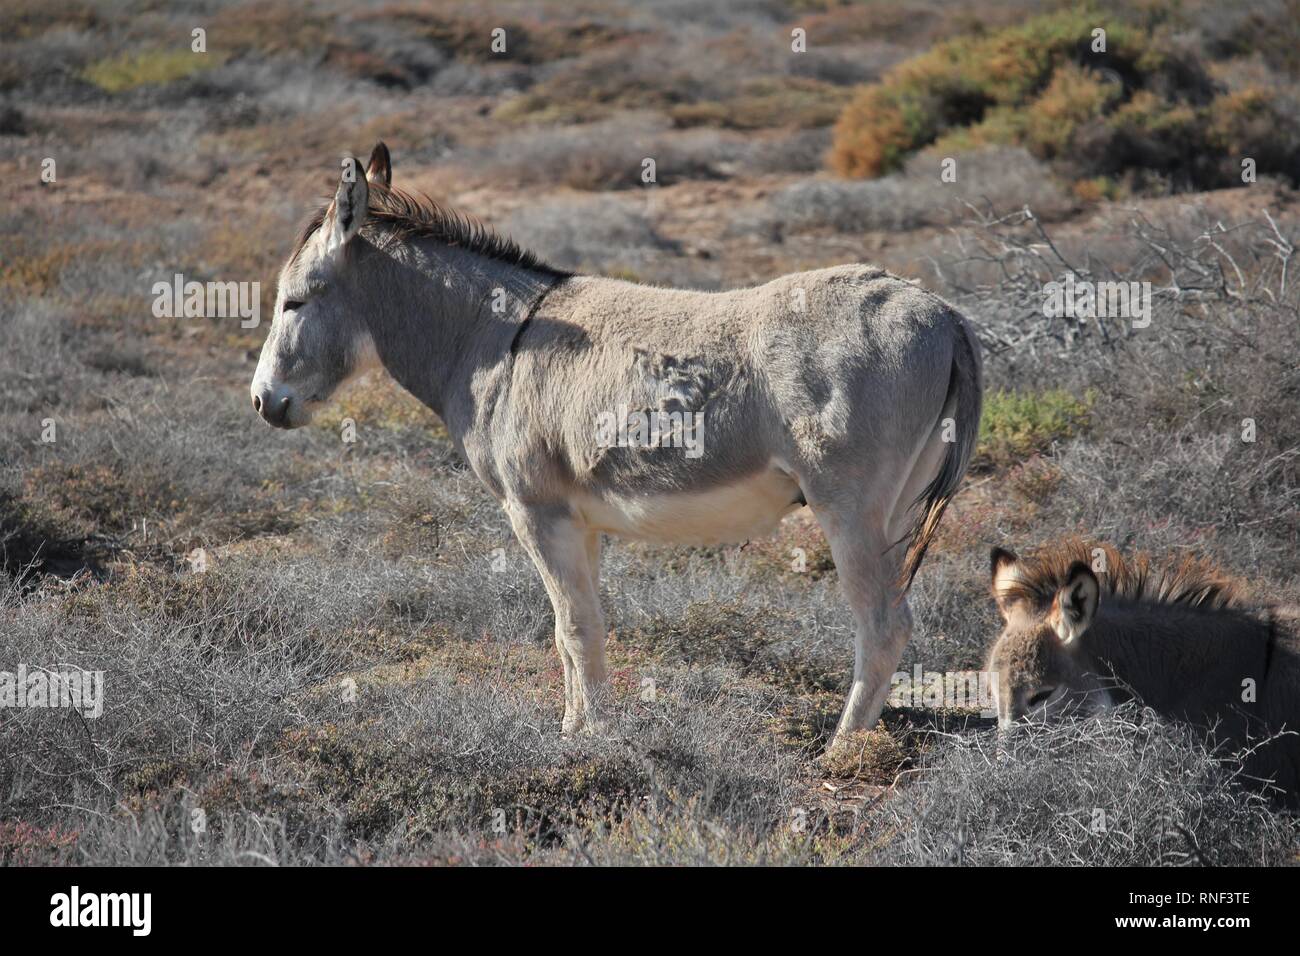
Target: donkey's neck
1179, 658
439, 315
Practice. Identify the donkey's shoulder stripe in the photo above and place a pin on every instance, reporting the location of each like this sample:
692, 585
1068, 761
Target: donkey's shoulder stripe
532, 311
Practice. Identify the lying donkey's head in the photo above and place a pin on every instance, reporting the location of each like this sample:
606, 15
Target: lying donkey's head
1041, 665
319, 336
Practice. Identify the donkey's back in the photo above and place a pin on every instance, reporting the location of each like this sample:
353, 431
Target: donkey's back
840, 364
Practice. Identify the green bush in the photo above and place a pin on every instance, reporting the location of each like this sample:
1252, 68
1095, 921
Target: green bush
1073, 97
1016, 425
956, 83
1144, 105
152, 68
1257, 123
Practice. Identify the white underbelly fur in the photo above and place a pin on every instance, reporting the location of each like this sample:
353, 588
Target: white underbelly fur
748, 509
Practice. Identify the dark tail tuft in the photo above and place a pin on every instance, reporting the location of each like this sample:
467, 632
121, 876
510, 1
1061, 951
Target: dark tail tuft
963, 403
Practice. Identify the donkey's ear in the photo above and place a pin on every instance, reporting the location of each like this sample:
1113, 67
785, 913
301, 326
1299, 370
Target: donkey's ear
1004, 568
1076, 603
380, 169
351, 205
1000, 559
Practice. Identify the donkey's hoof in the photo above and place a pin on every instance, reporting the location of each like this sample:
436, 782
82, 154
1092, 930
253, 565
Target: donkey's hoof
596, 726
584, 724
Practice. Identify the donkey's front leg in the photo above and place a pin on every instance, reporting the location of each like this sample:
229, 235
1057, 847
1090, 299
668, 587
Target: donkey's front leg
563, 551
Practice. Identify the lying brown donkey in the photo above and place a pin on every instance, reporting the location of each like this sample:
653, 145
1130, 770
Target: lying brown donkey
1181, 639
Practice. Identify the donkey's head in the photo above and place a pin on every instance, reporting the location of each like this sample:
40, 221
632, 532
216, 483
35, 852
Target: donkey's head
319, 336
1040, 662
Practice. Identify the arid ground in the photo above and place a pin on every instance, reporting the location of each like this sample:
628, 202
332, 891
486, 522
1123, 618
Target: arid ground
323, 650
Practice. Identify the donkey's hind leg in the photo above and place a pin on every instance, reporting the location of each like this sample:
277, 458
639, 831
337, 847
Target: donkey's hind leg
868, 570
563, 553
865, 534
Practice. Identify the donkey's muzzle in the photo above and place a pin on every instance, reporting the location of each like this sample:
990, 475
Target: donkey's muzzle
273, 405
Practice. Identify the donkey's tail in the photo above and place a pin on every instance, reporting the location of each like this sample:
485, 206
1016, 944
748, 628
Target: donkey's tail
958, 427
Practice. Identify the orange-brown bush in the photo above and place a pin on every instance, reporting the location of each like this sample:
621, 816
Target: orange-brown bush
1145, 104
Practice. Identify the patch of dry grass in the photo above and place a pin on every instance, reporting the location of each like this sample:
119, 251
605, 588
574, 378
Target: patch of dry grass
1136, 792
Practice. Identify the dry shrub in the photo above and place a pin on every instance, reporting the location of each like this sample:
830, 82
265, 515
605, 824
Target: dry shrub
1166, 456
593, 232
1259, 124
469, 34
871, 755
634, 73
910, 24
1000, 178
1127, 790
798, 102
797, 552
609, 154
1035, 480
272, 29
24, 19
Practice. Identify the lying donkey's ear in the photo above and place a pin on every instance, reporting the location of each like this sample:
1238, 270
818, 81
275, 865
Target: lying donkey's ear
380, 169
1004, 568
351, 205
1076, 603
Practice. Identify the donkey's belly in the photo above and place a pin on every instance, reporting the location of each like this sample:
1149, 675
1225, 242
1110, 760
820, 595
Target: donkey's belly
750, 508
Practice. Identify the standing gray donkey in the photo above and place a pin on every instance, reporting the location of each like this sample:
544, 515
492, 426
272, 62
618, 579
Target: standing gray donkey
591, 406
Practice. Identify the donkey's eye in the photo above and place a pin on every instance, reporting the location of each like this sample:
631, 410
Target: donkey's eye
292, 305
1040, 696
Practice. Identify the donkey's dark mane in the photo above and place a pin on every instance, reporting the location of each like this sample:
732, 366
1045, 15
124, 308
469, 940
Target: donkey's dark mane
1191, 582
401, 216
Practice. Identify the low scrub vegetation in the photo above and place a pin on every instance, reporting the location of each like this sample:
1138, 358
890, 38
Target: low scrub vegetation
1139, 793
153, 68
1016, 425
1131, 103
999, 178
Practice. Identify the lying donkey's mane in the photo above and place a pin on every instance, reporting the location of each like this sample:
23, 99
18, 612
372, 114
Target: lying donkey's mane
402, 216
1191, 582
